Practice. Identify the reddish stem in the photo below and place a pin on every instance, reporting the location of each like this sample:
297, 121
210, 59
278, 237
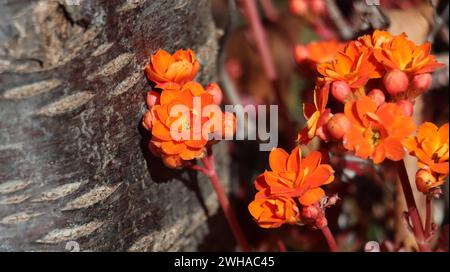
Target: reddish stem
412, 208
262, 45
251, 12
428, 218
269, 9
330, 238
209, 170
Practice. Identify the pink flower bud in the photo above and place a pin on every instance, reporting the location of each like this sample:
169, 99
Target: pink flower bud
147, 120
152, 98
338, 125
317, 6
298, 7
300, 53
395, 82
214, 90
407, 107
422, 82
377, 96
340, 90
322, 131
310, 212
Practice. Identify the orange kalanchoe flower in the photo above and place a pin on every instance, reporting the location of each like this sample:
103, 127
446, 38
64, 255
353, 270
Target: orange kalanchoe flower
191, 144
177, 69
377, 132
353, 65
292, 178
431, 147
316, 115
274, 211
317, 52
402, 54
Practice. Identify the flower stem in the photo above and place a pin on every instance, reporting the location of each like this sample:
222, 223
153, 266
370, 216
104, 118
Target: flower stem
428, 218
412, 208
262, 45
209, 170
269, 9
330, 238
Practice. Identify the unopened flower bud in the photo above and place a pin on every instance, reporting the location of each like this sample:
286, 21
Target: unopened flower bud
396, 82
377, 96
422, 82
214, 90
407, 107
147, 120
298, 7
424, 180
340, 90
317, 6
152, 98
310, 212
322, 131
300, 53
338, 125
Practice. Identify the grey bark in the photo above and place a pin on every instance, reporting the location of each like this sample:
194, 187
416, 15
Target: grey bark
74, 167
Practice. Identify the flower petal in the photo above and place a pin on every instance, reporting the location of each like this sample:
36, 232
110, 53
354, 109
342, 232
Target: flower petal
278, 159
311, 196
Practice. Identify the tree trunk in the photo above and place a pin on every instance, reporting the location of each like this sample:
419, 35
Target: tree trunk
74, 166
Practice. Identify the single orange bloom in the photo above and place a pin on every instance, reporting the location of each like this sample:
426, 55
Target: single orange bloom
176, 151
431, 147
294, 176
177, 69
316, 115
377, 132
401, 53
353, 65
317, 52
274, 211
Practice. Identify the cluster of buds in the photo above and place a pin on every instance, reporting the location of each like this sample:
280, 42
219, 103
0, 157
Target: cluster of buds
314, 215
307, 7
176, 107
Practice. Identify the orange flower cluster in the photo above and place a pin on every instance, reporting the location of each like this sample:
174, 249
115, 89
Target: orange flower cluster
183, 136
292, 182
431, 147
403, 66
375, 122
